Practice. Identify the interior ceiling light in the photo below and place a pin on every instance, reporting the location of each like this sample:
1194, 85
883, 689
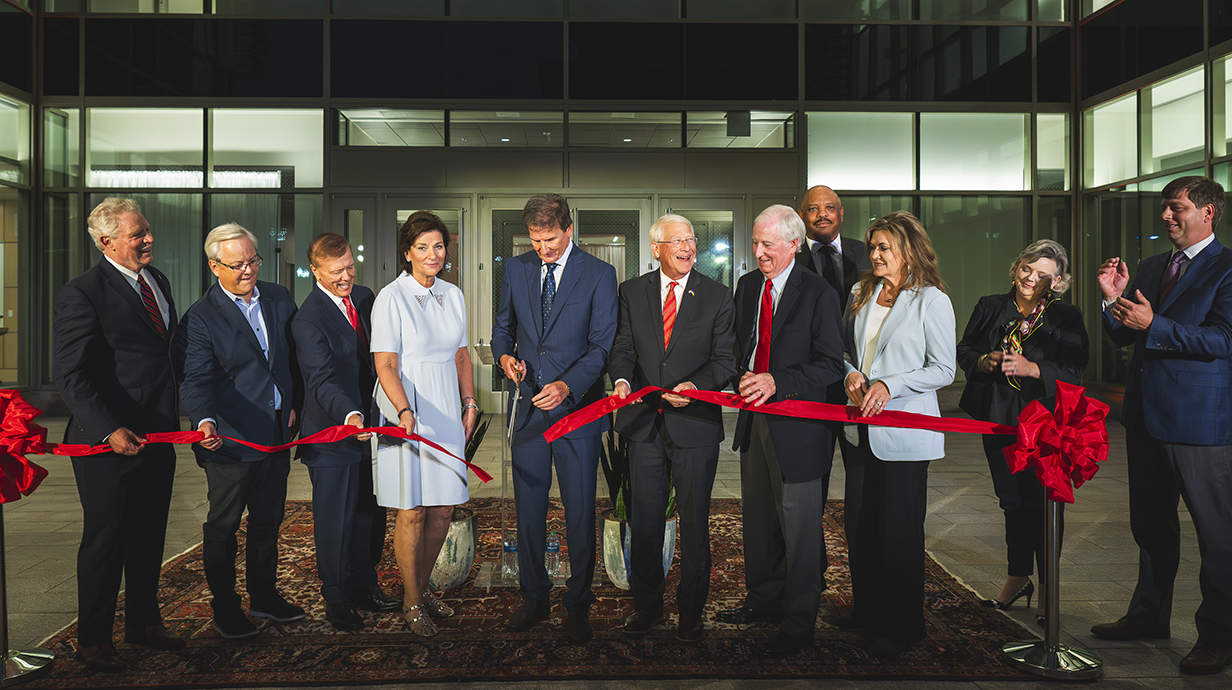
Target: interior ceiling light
503, 139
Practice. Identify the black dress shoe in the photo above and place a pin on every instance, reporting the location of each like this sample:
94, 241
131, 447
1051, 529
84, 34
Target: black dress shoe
343, 616
846, 621
373, 599
530, 612
642, 622
101, 657
578, 630
231, 623
1129, 629
276, 608
691, 629
155, 636
782, 645
884, 647
1206, 658
747, 614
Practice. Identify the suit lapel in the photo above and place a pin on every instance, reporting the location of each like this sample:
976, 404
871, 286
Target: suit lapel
787, 301
333, 315
748, 312
117, 282
653, 307
164, 286
230, 313
1196, 268
534, 288
688, 300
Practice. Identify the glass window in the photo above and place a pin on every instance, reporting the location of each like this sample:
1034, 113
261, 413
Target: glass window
859, 212
390, 8
145, 6
67, 252
1052, 10
767, 129
1128, 40
1054, 220
1005, 10
651, 64
861, 62
1172, 122
1090, 7
855, 10
14, 141
1110, 142
974, 151
61, 54
625, 9
972, 63
1114, 221
717, 69
379, 127
506, 8
741, 9
15, 279
175, 221
263, 7
61, 147
145, 147
1052, 61
17, 38
281, 149
277, 220
624, 129
1052, 151
502, 128
715, 235
861, 150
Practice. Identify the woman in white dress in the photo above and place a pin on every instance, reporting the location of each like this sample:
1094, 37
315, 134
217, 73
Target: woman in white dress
424, 368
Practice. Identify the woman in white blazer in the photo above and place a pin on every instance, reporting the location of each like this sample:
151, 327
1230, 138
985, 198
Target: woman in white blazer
899, 340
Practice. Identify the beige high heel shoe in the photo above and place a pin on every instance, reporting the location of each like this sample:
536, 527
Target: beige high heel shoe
436, 608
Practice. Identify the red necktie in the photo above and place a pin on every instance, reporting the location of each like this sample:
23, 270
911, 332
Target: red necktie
761, 358
669, 313
353, 317
151, 306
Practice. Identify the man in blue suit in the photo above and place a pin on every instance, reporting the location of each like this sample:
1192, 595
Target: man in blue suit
240, 381
1178, 418
553, 332
331, 331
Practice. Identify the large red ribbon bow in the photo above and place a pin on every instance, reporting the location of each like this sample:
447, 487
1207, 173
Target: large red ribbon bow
1065, 445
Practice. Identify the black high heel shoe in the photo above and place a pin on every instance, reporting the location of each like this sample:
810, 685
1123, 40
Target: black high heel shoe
1028, 590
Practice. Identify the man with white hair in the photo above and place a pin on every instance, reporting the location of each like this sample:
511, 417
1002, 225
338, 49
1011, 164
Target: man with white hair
789, 346
240, 380
111, 359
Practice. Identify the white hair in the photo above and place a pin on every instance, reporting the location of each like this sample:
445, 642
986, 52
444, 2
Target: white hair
656, 228
223, 233
105, 218
786, 220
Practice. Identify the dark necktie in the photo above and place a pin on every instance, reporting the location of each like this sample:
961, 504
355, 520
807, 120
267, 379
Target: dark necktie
549, 293
353, 317
1171, 275
761, 358
151, 306
669, 313
830, 270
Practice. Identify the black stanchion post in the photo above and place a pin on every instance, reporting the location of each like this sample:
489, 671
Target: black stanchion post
20, 665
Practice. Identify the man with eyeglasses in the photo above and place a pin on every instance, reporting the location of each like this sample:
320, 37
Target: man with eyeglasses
240, 381
676, 331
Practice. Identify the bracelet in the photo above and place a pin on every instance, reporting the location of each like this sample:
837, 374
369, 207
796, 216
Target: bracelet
471, 406
469, 397
405, 409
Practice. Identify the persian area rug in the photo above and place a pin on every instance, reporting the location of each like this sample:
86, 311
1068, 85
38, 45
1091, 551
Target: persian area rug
964, 638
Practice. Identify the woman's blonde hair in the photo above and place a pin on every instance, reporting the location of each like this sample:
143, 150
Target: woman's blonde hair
909, 238
1045, 249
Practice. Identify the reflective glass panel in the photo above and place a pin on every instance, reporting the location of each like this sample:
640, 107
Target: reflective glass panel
741, 9
1052, 10
714, 230
765, 129
379, 127
996, 10
974, 151
61, 146
15, 279
286, 8
1110, 140
501, 128
855, 9
859, 212
624, 129
506, 8
279, 149
1052, 151
861, 150
391, 8
625, 9
146, 6
145, 147
1172, 122
67, 252
1090, 7
277, 221
17, 32
14, 141
61, 55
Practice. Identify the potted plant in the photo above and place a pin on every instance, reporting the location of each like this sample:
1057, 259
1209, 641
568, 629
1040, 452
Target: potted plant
615, 537
457, 556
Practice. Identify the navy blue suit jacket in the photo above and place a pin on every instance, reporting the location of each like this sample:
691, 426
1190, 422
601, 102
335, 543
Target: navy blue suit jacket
1180, 375
574, 346
337, 372
227, 377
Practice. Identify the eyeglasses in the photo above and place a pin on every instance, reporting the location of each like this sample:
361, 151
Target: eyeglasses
254, 264
691, 241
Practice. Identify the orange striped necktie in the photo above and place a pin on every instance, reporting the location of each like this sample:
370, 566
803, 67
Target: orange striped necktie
669, 313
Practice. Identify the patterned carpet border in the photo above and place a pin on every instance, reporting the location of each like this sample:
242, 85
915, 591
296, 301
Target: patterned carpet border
964, 638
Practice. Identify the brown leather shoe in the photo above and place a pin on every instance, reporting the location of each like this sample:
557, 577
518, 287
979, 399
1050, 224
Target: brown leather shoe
155, 637
642, 622
578, 630
530, 612
1204, 659
101, 657
1129, 629
691, 629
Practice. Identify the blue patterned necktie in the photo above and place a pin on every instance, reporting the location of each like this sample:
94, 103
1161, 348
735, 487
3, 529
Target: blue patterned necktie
549, 293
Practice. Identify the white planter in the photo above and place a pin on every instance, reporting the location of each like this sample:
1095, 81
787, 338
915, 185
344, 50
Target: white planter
453, 563
615, 547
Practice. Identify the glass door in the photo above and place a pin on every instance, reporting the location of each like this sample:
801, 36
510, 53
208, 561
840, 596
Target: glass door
723, 233
353, 217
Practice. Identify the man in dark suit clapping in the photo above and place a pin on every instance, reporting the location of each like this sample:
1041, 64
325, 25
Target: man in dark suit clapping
676, 332
332, 329
240, 381
111, 359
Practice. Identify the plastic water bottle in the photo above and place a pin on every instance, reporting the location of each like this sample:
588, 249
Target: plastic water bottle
509, 565
551, 559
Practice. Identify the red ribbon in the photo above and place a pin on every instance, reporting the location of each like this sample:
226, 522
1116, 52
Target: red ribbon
1068, 449
19, 435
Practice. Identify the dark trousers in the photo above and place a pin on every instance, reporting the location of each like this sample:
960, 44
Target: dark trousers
783, 537
1160, 474
577, 466
1025, 503
348, 528
124, 504
261, 487
692, 475
853, 470
886, 555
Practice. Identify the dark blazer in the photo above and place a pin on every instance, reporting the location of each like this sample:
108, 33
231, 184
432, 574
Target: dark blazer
1058, 345
855, 262
573, 348
701, 351
110, 364
337, 372
1181, 368
806, 355
227, 377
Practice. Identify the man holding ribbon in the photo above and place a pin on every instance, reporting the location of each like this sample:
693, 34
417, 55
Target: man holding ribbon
112, 363
240, 381
790, 346
676, 332
552, 335
332, 330
1178, 417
